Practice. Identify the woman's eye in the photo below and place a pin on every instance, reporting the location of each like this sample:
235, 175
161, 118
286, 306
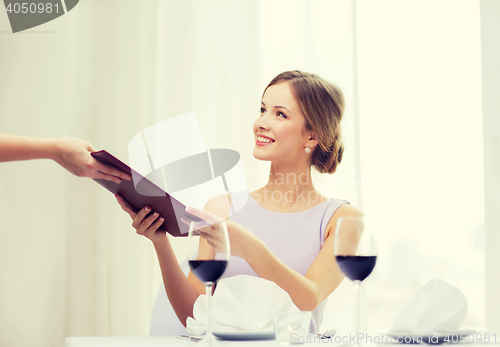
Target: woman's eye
281, 114
262, 110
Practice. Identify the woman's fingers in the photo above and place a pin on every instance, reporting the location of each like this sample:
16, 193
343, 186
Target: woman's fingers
199, 226
139, 218
125, 206
155, 226
208, 228
150, 224
204, 215
143, 223
207, 236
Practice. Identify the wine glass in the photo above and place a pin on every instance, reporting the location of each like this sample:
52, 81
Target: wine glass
356, 254
208, 255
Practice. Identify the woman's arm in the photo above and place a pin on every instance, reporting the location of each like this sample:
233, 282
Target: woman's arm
306, 292
181, 291
71, 153
320, 280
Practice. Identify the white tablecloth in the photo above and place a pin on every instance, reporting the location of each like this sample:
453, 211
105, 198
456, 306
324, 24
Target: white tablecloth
152, 341
168, 341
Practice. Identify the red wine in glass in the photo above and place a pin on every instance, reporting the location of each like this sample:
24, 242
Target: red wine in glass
356, 253
356, 267
208, 256
208, 270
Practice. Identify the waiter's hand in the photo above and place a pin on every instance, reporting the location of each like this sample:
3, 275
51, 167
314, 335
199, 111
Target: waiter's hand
74, 156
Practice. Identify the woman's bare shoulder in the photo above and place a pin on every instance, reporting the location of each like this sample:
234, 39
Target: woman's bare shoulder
219, 205
347, 210
344, 210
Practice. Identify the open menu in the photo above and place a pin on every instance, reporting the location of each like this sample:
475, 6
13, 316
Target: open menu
139, 192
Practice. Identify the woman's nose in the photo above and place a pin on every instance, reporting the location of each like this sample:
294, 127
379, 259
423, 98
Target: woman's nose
262, 122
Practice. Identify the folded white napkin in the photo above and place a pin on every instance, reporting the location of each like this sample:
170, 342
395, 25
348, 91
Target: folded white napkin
436, 307
241, 303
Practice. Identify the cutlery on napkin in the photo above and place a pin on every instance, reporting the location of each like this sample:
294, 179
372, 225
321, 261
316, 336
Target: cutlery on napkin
436, 307
241, 304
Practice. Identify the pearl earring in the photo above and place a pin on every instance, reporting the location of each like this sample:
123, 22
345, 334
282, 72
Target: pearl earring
308, 150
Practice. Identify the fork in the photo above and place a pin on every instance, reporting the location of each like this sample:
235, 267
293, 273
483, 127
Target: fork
191, 338
329, 333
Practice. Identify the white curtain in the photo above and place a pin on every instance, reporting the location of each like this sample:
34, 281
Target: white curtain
71, 264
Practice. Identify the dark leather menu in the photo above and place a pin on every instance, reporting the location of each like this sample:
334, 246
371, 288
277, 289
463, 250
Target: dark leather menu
140, 191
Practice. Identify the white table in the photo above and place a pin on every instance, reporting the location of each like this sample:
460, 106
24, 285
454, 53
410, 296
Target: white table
164, 341
152, 341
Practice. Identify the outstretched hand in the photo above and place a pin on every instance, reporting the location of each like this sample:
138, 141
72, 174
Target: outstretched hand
74, 155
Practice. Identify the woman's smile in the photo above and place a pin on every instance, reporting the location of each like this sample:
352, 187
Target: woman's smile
263, 140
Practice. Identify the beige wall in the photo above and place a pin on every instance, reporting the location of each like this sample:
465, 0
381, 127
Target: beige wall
490, 49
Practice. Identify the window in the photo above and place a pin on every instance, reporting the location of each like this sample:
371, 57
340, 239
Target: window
421, 137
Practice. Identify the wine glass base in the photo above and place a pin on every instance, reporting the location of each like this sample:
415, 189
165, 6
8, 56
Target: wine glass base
209, 340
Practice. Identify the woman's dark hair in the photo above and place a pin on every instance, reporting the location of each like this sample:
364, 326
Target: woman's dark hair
322, 104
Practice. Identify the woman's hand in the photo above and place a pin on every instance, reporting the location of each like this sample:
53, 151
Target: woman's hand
148, 226
74, 155
243, 242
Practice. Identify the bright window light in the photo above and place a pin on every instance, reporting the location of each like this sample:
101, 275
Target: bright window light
421, 137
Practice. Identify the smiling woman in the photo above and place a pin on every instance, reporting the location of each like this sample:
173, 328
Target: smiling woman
317, 107
284, 232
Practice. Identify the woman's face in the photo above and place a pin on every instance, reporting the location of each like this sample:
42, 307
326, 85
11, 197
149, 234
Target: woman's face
280, 131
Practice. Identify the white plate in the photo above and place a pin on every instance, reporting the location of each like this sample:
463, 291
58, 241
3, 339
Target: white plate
245, 335
436, 338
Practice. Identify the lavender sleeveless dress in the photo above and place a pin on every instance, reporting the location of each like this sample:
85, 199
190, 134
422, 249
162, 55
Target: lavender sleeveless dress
295, 238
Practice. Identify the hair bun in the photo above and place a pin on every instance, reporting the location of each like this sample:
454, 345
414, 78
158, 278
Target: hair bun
340, 155
335, 156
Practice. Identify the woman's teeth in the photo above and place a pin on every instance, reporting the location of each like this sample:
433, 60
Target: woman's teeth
264, 139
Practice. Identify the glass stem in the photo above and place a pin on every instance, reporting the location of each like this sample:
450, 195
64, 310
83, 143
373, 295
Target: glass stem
357, 284
208, 290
